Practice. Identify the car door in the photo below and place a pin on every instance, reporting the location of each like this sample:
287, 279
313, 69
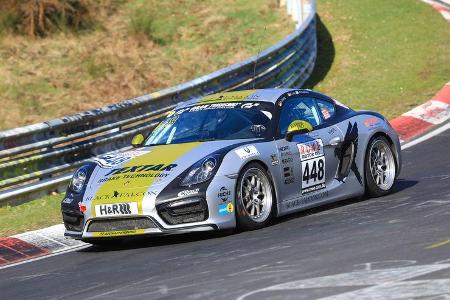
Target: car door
309, 161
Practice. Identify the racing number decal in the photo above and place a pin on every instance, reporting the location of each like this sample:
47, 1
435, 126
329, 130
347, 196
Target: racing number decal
313, 177
313, 165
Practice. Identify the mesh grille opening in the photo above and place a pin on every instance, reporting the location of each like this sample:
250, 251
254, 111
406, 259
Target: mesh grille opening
120, 224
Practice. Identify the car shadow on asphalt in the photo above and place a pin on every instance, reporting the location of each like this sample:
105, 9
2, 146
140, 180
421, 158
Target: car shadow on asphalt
166, 240
155, 241
399, 185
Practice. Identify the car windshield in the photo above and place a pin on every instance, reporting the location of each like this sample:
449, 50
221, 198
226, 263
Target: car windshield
213, 121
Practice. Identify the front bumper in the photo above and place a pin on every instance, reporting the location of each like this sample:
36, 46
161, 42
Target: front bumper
108, 231
193, 213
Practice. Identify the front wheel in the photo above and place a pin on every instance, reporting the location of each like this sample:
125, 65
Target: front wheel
380, 167
255, 197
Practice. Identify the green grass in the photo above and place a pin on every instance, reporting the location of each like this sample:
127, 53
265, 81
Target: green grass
389, 56
8, 22
32, 215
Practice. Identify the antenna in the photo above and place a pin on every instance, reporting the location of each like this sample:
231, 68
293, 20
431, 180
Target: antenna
257, 56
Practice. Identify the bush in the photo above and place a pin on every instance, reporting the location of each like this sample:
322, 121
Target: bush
41, 17
151, 19
9, 21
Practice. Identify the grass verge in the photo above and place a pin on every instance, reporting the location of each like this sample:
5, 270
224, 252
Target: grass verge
136, 47
387, 56
32, 215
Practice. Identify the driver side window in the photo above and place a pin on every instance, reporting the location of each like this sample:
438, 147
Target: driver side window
303, 109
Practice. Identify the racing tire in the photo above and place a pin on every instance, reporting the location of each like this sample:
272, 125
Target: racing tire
255, 201
380, 168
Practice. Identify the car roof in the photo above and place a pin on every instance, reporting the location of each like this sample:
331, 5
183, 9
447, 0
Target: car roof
264, 95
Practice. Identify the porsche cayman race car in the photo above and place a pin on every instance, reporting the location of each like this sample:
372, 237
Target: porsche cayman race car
234, 159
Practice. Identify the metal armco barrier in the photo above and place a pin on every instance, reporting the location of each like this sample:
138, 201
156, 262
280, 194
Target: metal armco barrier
40, 158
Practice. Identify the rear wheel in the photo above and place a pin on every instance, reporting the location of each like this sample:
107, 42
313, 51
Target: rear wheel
255, 198
380, 167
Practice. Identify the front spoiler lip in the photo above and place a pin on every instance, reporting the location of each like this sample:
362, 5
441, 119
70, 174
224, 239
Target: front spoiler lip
159, 230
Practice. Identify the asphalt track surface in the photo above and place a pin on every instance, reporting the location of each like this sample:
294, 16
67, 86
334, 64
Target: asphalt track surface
391, 247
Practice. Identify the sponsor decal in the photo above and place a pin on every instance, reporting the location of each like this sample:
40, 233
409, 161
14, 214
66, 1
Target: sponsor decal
287, 160
288, 175
142, 168
332, 131
224, 194
112, 160
258, 128
133, 176
118, 233
116, 209
230, 97
249, 105
372, 122
226, 209
247, 152
285, 152
274, 159
119, 195
313, 165
67, 200
188, 192
310, 149
306, 200
313, 188
213, 106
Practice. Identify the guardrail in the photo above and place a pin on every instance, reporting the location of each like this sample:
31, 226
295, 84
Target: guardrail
39, 158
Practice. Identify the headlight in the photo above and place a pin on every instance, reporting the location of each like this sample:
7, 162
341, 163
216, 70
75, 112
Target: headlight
201, 171
78, 180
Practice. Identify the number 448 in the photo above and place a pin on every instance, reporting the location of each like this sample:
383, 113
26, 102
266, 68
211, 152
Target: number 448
313, 170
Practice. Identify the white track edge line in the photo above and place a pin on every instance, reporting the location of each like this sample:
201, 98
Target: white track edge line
45, 256
426, 136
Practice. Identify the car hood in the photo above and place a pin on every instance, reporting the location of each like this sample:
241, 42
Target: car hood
134, 174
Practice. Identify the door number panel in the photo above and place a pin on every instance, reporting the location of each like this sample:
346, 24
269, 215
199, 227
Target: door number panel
313, 165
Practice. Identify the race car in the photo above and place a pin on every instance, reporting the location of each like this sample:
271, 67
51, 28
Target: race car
233, 159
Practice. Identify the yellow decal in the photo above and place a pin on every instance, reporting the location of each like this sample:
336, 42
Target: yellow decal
118, 233
226, 97
299, 125
135, 176
230, 207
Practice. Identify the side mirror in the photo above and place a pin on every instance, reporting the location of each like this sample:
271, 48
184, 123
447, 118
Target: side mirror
298, 127
137, 140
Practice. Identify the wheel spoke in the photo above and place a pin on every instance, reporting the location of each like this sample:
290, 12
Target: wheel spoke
249, 203
258, 185
252, 181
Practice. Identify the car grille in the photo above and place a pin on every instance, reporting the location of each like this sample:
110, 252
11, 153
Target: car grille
183, 211
120, 224
73, 221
